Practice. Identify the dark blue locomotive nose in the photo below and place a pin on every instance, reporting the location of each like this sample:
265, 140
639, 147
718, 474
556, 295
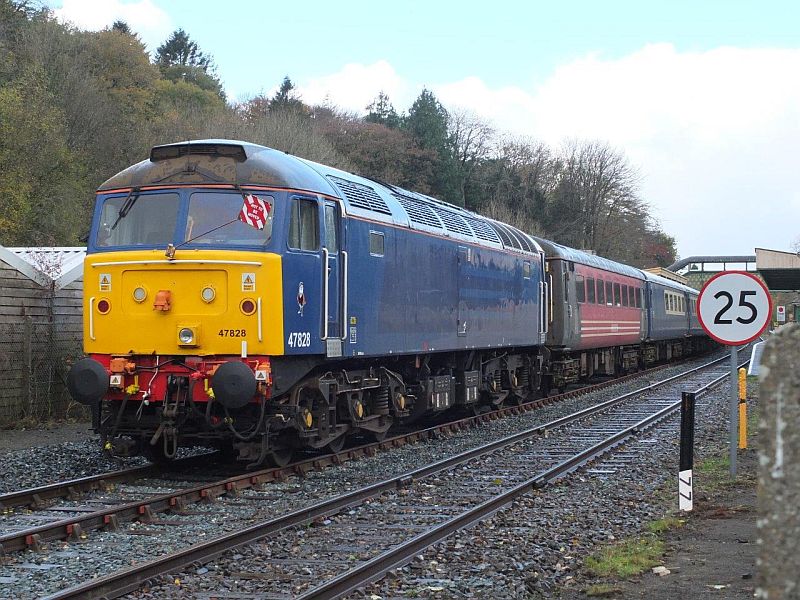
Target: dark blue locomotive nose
87, 381
234, 384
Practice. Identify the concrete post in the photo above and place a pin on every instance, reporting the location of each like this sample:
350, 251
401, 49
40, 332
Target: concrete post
779, 467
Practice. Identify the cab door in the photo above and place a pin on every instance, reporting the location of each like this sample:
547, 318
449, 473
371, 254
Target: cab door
334, 285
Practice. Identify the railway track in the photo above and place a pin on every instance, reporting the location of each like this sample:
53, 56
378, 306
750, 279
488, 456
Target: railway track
72, 509
427, 504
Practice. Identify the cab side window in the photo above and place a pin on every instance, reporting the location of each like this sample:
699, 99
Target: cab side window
304, 225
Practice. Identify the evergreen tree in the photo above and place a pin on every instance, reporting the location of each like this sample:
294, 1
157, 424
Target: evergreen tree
180, 59
382, 112
121, 27
427, 123
179, 49
285, 98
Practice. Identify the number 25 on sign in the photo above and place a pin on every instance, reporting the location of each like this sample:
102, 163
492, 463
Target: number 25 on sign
734, 307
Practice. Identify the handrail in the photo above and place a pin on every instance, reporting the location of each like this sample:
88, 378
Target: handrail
344, 296
325, 291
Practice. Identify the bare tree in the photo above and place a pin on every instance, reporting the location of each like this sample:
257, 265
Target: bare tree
597, 188
472, 138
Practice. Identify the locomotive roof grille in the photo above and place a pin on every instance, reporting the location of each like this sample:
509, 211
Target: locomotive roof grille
508, 240
483, 231
361, 196
523, 239
453, 222
418, 212
234, 151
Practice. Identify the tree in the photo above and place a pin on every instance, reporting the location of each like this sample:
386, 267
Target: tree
382, 112
471, 138
179, 49
121, 27
285, 98
180, 59
427, 124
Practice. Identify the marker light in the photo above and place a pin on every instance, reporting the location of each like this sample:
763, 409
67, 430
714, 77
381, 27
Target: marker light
139, 294
248, 306
103, 306
186, 336
208, 294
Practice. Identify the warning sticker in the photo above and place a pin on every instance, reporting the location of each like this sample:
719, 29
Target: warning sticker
105, 282
248, 282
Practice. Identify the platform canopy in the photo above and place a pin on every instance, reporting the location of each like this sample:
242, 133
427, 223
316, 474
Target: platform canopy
781, 270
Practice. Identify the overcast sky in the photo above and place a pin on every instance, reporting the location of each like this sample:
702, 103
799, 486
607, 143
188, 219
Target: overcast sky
702, 96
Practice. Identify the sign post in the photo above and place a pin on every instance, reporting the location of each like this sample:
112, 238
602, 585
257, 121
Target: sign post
734, 308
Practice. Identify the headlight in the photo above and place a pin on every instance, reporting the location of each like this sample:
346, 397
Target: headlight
208, 294
186, 336
139, 294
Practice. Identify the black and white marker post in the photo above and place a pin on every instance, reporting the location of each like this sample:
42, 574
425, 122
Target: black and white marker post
687, 452
734, 308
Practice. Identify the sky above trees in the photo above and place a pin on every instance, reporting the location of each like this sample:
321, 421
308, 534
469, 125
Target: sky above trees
696, 94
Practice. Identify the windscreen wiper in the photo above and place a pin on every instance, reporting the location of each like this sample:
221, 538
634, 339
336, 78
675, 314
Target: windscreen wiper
126, 207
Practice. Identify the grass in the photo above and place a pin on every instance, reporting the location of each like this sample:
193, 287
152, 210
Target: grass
665, 524
602, 589
630, 557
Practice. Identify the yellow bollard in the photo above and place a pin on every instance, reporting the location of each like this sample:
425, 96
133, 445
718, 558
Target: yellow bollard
742, 408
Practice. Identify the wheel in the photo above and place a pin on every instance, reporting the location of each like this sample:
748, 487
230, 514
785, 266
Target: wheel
280, 457
337, 444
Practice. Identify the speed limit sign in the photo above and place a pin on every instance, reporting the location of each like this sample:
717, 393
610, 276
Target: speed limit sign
734, 307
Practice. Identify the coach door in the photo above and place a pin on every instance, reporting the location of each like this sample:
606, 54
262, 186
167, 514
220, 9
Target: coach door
334, 280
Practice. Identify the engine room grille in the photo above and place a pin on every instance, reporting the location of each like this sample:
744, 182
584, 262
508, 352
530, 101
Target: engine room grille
483, 231
509, 241
453, 222
419, 213
361, 196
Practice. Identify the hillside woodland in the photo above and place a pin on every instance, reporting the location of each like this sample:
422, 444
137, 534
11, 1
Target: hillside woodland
78, 106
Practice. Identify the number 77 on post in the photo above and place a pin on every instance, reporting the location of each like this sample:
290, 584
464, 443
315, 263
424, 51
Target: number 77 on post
734, 307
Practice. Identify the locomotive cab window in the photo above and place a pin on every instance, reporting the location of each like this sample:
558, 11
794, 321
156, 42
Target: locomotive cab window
139, 220
331, 229
304, 225
213, 219
376, 243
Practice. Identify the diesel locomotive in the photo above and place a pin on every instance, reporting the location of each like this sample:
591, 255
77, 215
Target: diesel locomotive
351, 306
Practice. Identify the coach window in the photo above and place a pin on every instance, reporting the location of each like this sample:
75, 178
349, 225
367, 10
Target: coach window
601, 292
637, 297
616, 294
624, 295
609, 293
304, 225
376, 243
580, 288
590, 295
